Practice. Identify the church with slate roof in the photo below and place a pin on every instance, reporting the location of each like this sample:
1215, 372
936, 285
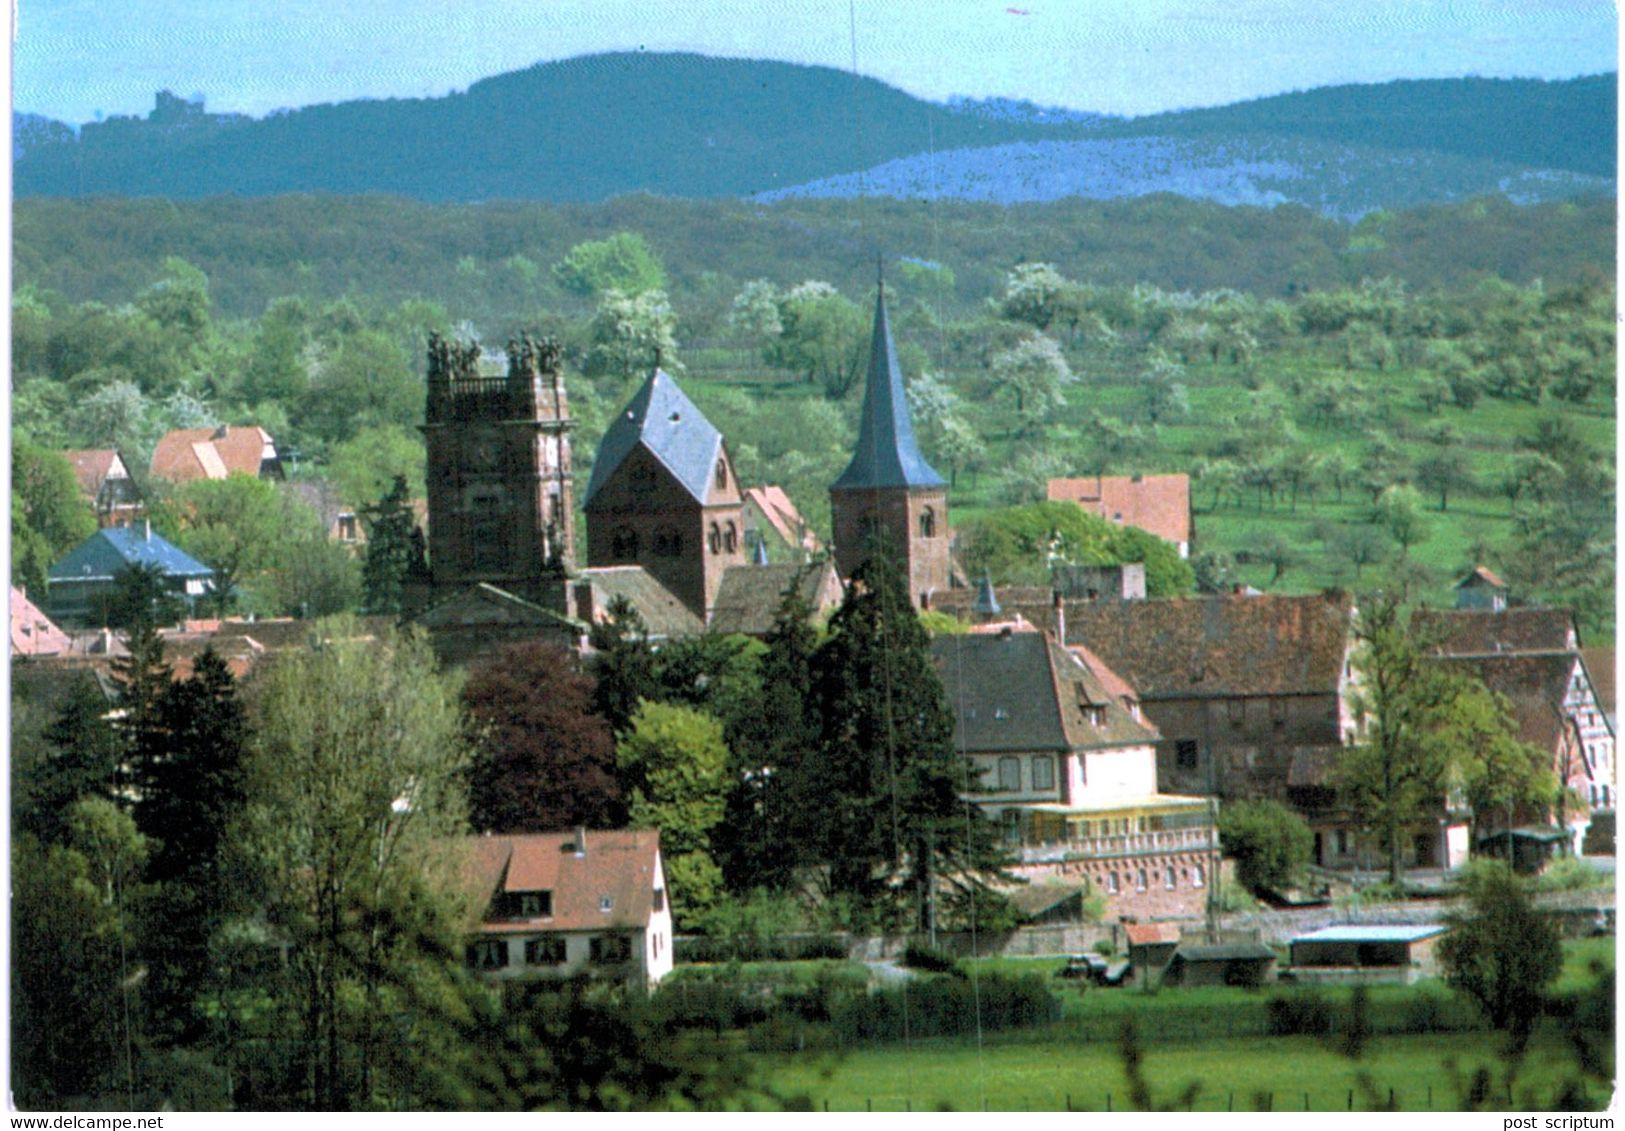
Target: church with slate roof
665, 512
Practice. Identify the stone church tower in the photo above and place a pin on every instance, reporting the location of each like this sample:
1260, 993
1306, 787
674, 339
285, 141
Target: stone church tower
888, 495
501, 496
663, 495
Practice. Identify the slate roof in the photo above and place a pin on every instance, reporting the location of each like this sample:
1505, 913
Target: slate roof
619, 865
886, 454
1468, 632
661, 418
209, 453
101, 556
486, 605
663, 614
1157, 504
1223, 952
1021, 691
1207, 647
749, 596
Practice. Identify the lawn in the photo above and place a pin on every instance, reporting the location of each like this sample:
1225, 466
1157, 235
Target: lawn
1279, 1073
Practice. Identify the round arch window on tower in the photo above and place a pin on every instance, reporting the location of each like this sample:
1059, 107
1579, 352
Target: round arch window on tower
928, 523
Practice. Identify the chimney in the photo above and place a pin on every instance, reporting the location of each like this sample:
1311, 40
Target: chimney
1059, 605
581, 841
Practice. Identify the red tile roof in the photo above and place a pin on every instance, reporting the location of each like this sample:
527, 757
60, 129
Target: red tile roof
781, 514
1471, 632
91, 465
1157, 504
209, 453
1140, 934
1481, 575
32, 632
619, 866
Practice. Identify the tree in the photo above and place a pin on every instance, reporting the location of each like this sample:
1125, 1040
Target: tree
1270, 844
1033, 371
1023, 545
1039, 295
44, 484
890, 821
365, 466
1501, 951
629, 333
395, 555
623, 262
1399, 511
1444, 471
673, 764
75, 755
241, 527
544, 759
1433, 736
355, 786
821, 338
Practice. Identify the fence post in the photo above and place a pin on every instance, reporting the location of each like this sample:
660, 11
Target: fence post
1390, 1099
1351, 1099
1230, 1102
1069, 1101
1270, 1103
1108, 1101
868, 1103
1306, 1101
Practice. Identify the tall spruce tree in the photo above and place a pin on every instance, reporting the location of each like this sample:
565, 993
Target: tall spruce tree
758, 843
891, 822
395, 554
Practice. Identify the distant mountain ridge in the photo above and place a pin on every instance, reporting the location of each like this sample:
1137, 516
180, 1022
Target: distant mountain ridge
677, 125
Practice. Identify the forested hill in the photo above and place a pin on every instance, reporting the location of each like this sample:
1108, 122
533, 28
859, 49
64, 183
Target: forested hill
579, 130
677, 125
1570, 125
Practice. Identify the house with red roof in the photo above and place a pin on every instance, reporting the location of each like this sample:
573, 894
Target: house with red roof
773, 523
551, 905
214, 453
32, 632
106, 485
1156, 504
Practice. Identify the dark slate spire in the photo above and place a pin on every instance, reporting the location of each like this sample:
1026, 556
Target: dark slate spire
886, 455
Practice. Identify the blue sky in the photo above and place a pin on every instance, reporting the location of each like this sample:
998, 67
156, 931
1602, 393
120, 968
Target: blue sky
75, 59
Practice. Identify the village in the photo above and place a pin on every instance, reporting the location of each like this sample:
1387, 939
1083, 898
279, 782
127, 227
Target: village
1102, 733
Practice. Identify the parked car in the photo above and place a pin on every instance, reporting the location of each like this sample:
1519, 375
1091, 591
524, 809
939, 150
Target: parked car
1094, 969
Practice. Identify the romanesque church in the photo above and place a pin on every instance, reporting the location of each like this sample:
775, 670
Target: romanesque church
664, 506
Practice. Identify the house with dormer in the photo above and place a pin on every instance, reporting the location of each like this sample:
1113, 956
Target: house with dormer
186, 454
553, 905
1064, 760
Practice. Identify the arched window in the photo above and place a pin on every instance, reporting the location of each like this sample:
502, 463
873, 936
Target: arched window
623, 542
730, 538
714, 539
928, 523
668, 543
1140, 880
722, 473
1111, 883
1198, 878
1168, 879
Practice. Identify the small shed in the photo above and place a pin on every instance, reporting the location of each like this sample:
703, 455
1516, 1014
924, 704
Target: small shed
1394, 948
1528, 849
1150, 946
1220, 964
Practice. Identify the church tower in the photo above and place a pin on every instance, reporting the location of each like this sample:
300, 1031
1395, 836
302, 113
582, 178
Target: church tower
501, 496
888, 495
664, 496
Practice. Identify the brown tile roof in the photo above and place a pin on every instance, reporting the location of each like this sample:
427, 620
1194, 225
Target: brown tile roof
619, 866
1470, 632
749, 596
1157, 504
1027, 598
32, 632
1208, 647
1600, 667
1534, 683
209, 453
1022, 691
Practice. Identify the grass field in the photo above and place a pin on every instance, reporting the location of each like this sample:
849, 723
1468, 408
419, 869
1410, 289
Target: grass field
1429, 1072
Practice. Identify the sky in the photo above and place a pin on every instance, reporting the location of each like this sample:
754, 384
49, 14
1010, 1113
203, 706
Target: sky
77, 60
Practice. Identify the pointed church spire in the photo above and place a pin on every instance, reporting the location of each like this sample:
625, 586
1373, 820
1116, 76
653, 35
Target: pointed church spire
886, 455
